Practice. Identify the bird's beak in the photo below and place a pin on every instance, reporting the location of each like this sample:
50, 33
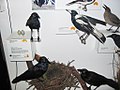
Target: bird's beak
80, 70
104, 6
68, 11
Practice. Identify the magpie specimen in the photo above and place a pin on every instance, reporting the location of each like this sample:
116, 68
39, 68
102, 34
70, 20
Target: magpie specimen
116, 39
34, 72
95, 79
34, 23
87, 24
111, 18
82, 2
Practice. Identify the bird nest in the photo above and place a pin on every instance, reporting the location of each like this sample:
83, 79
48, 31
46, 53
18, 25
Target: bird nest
58, 77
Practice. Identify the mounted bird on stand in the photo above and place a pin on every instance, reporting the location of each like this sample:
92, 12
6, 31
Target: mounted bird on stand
87, 24
34, 24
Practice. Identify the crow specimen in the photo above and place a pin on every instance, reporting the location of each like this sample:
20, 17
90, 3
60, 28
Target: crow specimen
97, 80
82, 2
34, 72
116, 39
39, 2
87, 24
111, 18
34, 23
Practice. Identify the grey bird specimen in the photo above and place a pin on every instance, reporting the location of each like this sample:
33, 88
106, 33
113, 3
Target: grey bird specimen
95, 79
111, 18
34, 23
34, 72
87, 24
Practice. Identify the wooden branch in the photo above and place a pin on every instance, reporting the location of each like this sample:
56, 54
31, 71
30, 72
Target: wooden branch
77, 75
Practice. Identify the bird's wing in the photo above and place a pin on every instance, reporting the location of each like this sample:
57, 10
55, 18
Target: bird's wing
95, 21
114, 19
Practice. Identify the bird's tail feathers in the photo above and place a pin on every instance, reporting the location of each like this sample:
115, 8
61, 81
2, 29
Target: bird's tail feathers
113, 84
98, 35
71, 3
17, 79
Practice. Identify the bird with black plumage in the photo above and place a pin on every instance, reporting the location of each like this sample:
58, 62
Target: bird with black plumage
34, 24
94, 79
87, 25
111, 18
34, 72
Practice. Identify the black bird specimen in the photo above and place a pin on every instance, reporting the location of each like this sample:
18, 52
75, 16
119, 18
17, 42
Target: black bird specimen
34, 72
82, 2
34, 23
116, 39
87, 24
94, 79
39, 2
111, 18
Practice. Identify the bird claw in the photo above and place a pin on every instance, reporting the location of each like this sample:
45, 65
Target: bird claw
108, 29
83, 41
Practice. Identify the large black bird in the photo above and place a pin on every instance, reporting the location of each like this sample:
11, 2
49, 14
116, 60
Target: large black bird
34, 72
116, 39
82, 2
87, 24
97, 80
34, 23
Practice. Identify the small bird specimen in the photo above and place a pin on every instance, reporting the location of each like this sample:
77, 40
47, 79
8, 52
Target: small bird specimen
34, 72
111, 18
84, 3
87, 24
34, 23
116, 39
95, 79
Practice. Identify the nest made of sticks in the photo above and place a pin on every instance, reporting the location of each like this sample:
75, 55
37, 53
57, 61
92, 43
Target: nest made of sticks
58, 77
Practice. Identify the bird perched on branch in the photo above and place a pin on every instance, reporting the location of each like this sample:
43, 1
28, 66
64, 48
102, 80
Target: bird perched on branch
116, 39
87, 24
34, 72
82, 2
111, 18
34, 23
97, 80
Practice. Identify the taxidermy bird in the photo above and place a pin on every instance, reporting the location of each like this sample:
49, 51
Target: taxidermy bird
111, 18
34, 72
84, 3
116, 39
34, 23
95, 79
87, 24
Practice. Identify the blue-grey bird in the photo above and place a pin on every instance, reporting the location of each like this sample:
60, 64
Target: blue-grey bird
95, 79
111, 18
82, 2
34, 72
34, 23
87, 24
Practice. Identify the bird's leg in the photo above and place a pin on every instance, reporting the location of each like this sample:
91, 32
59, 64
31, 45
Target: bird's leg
96, 88
89, 88
116, 30
38, 35
31, 35
109, 28
82, 38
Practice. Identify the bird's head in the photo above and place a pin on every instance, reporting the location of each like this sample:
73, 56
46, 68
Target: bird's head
35, 15
44, 60
82, 71
72, 12
106, 8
